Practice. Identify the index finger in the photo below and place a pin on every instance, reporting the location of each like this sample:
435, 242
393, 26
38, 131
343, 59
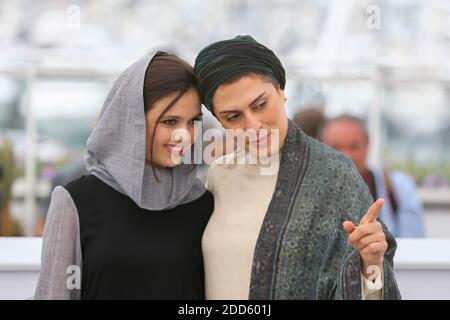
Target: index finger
373, 212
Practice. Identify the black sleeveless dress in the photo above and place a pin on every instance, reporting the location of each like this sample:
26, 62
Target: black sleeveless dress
133, 253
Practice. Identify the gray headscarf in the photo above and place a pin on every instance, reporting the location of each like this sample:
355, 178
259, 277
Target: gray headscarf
116, 149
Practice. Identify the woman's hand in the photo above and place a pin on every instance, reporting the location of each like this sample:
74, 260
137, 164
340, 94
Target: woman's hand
369, 239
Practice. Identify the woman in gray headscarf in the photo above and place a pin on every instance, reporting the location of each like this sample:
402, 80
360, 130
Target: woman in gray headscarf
132, 227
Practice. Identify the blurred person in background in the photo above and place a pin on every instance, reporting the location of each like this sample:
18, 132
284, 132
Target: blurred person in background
9, 226
71, 171
402, 211
310, 120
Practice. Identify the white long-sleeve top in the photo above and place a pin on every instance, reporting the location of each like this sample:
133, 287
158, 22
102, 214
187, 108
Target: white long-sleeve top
241, 196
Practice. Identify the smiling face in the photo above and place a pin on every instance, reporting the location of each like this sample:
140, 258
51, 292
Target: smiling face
253, 103
163, 144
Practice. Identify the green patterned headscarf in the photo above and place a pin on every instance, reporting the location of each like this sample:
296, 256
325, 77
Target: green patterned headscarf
223, 60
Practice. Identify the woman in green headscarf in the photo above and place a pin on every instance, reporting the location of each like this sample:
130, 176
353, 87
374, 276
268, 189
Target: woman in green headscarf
307, 229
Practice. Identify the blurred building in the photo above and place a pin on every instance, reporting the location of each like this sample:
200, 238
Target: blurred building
385, 61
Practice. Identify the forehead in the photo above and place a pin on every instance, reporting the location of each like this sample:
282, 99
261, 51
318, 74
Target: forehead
187, 104
241, 92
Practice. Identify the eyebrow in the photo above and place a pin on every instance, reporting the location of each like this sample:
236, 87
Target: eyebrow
250, 104
257, 98
178, 117
198, 115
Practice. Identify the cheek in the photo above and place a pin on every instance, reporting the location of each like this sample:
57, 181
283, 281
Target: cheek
276, 119
193, 134
162, 136
274, 113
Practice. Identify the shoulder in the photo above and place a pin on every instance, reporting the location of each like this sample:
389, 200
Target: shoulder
207, 196
202, 207
221, 169
334, 176
82, 188
78, 185
206, 201
61, 196
62, 210
85, 191
330, 161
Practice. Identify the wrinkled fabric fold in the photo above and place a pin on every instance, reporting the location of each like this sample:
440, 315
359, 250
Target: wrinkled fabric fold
302, 250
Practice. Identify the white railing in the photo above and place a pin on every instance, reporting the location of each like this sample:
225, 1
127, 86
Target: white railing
422, 267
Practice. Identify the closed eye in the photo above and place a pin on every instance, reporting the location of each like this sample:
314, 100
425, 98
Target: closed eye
260, 105
232, 117
170, 122
196, 119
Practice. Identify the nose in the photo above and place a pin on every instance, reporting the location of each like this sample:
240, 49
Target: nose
253, 123
181, 135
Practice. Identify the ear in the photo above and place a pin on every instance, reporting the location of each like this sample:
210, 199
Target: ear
282, 93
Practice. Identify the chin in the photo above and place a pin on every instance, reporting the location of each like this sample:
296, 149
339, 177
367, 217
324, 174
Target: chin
264, 152
170, 164
162, 163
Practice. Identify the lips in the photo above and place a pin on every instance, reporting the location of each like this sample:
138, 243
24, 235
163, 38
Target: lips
174, 149
261, 140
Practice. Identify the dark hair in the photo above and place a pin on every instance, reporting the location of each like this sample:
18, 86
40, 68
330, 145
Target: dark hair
166, 74
261, 75
310, 120
237, 77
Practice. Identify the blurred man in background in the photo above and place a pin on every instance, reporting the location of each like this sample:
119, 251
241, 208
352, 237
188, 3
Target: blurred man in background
310, 120
402, 211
